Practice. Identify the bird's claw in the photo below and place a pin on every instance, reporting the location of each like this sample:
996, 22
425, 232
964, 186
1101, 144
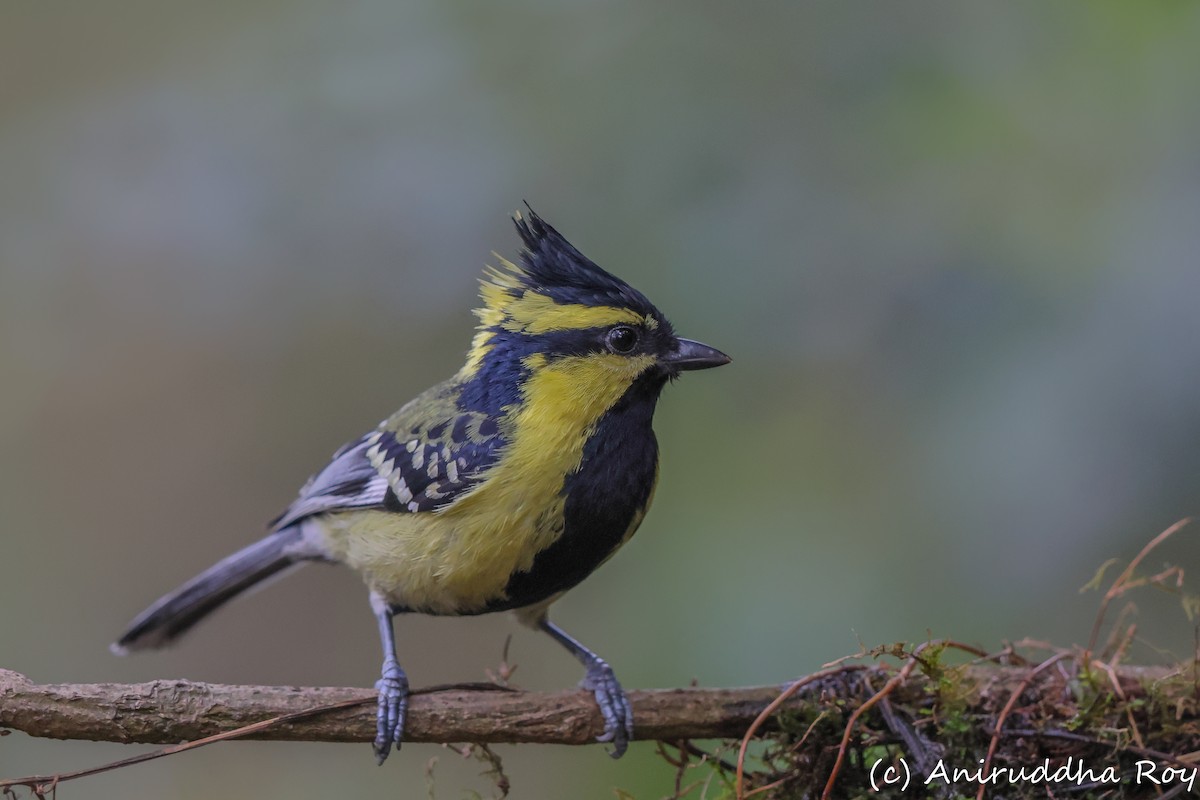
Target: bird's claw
614, 706
393, 705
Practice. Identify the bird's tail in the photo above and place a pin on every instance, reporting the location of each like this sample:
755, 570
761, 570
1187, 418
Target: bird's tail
175, 613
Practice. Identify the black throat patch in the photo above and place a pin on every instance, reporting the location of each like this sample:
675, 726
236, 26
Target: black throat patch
612, 485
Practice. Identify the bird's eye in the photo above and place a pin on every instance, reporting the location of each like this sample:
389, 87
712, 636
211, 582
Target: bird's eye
622, 339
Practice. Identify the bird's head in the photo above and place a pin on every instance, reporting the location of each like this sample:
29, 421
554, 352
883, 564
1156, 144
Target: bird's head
581, 331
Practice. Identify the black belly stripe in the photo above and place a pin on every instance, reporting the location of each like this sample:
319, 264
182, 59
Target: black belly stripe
612, 485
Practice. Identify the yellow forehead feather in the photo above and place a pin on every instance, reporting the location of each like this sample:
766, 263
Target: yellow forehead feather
510, 304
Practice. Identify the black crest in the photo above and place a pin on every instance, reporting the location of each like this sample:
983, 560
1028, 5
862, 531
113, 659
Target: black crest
552, 266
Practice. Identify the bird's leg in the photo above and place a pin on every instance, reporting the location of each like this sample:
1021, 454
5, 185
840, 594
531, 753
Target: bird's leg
600, 680
392, 685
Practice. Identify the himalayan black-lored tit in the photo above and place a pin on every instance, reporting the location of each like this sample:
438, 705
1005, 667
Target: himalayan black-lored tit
499, 489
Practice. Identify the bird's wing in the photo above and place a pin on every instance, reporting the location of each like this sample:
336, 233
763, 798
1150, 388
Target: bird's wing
423, 457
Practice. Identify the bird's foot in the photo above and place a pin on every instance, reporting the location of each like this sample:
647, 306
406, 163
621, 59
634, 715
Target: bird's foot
614, 706
393, 705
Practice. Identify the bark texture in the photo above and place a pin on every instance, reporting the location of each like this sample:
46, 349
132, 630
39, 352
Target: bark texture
168, 712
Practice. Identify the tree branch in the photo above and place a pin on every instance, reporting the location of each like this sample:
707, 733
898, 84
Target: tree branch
1098, 713
167, 712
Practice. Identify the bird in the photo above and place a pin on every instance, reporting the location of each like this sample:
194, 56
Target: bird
496, 490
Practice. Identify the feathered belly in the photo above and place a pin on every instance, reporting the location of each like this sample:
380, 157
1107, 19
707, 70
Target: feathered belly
442, 562
560, 501
498, 548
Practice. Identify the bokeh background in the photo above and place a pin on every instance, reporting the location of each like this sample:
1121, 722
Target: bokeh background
951, 246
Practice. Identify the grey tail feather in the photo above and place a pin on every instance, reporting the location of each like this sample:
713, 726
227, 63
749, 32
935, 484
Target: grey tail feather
175, 613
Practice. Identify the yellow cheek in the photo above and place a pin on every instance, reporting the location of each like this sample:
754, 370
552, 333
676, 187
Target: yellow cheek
578, 389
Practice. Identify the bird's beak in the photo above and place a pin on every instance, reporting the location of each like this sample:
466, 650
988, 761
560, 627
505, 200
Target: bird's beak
693, 355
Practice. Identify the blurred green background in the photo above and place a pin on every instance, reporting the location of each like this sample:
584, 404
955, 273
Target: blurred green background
952, 248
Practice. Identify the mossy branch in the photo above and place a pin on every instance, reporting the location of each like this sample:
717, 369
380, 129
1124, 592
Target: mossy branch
837, 722
171, 711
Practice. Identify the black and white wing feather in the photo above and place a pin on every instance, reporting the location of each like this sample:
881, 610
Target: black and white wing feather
422, 458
